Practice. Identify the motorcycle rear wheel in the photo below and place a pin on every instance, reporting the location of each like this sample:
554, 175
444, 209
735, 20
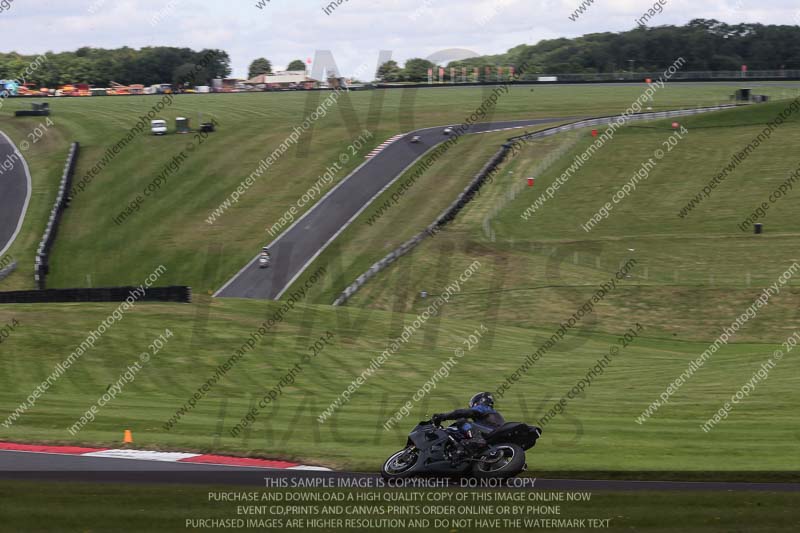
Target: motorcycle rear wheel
509, 463
402, 464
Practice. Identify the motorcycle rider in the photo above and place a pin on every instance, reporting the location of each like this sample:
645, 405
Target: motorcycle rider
265, 257
485, 419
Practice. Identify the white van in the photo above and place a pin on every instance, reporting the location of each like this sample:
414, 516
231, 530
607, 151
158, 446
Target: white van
158, 127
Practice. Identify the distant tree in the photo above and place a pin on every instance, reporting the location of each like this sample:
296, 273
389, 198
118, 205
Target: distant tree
260, 66
190, 75
390, 71
216, 64
297, 64
98, 66
417, 69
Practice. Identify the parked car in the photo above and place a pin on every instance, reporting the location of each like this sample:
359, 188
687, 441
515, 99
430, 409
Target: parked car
158, 127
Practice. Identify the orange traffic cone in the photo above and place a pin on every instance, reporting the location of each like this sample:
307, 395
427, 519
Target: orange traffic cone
128, 438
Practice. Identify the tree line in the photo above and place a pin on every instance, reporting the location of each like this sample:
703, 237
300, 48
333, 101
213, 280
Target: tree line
148, 66
704, 44
263, 65
98, 66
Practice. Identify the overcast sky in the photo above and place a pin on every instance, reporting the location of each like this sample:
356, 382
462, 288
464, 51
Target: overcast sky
354, 32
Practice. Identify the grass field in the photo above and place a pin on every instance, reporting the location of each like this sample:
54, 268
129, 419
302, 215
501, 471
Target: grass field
170, 226
597, 431
45, 159
694, 274
375, 233
168, 508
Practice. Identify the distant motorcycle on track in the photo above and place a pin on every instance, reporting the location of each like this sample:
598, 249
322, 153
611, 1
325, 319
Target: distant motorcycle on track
264, 259
434, 450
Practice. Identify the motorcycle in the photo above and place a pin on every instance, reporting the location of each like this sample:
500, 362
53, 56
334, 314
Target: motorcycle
433, 450
264, 260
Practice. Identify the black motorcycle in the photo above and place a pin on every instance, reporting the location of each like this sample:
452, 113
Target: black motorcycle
433, 450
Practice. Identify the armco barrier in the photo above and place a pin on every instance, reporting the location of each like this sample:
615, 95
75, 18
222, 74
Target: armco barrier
42, 266
179, 294
469, 192
447, 215
7, 270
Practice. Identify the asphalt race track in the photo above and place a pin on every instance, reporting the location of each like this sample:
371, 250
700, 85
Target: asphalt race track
15, 192
51, 467
294, 249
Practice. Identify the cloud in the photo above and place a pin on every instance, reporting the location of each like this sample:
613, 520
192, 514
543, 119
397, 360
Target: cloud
355, 31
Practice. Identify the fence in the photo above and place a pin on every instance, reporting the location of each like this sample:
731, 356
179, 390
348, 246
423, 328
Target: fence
181, 294
519, 185
697, 75
476, 183
42, 266
604, 77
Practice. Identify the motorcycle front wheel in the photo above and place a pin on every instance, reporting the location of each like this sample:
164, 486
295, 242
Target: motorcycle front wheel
402, 464
501, 461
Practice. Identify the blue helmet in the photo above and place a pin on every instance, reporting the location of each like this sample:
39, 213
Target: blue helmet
482, 398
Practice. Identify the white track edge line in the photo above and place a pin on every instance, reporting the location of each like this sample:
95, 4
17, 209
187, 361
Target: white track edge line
366, 205
24, 211
296, 222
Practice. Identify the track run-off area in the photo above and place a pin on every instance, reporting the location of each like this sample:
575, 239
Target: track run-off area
302, 242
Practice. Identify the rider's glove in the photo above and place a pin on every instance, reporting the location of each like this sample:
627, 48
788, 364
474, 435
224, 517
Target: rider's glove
437, 419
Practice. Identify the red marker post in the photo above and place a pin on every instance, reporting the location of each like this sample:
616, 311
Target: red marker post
594, 133
675, 125
531, 182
